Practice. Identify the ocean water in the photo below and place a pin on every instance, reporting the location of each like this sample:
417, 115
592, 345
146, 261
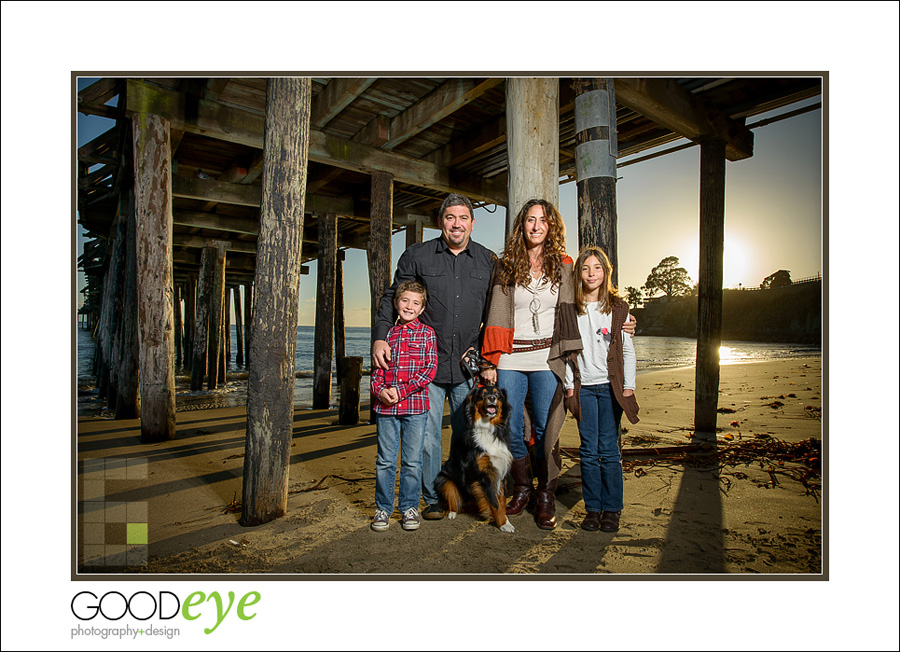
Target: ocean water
653, 353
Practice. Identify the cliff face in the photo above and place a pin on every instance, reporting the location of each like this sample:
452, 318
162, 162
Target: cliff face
787, 314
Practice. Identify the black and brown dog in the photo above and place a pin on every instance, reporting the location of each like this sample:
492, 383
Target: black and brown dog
479, 459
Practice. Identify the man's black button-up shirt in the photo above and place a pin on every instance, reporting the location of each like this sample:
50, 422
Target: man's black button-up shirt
457, 286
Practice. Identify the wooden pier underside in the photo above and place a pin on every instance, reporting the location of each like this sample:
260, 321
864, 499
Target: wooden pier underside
433, 135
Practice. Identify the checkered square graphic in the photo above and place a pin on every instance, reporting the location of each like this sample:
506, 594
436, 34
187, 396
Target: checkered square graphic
114, 533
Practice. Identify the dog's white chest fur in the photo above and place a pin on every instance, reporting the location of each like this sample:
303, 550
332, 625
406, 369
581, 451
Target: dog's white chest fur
500, 456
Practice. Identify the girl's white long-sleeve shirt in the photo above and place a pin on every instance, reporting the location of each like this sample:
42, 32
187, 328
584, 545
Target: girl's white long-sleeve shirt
592, 359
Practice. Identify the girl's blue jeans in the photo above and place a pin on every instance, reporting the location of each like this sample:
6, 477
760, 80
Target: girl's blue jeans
601, 460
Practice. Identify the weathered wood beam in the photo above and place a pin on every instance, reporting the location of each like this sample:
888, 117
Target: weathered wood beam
236, 262
216, 319
667, 103
270, 389
179, 325
96, 176
128, 397
214, 88
200, 220
595, 151
239, 325
376, 133
100, 92
153, 206
246, 128
101, 110
709, 296
101, 149
340, 335
176, 136
379, 249
482, 139
218, 191
201, 242
324, 333
248, 315
434, 107
201, 320
335, 97
243, 195
190, 315
313, 185
532, 118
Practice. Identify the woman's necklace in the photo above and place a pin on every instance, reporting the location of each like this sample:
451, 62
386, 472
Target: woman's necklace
536, 287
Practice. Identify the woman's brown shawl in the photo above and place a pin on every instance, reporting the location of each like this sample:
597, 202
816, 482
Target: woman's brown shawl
565, 345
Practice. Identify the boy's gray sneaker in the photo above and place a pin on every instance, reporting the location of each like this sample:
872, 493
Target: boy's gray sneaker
381, 520
410, 520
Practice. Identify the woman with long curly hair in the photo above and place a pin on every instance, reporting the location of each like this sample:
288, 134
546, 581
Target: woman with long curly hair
531, 331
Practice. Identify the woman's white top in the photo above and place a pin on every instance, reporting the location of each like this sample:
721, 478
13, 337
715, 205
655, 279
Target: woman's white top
595, 343
535, 306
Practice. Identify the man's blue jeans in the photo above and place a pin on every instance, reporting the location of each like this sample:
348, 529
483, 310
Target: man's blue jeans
432, 452
601, 460
392, 431
517, 384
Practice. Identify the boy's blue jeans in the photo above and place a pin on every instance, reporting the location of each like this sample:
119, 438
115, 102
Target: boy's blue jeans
408, 430
601, 460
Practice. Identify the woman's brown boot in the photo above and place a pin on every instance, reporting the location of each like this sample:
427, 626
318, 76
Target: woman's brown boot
546, 507
546, 498
522, 487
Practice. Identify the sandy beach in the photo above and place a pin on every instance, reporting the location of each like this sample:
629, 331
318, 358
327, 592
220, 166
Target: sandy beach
748, 503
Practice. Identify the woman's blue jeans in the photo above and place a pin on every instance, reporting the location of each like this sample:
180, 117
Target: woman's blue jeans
601, 460
516, 384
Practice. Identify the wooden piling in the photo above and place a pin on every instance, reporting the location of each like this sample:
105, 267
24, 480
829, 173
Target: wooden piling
238, 326
153, 206
248, 314
325, 283
178, 325
595, 166
190, 315
270, 392
117, 293
128, 397
532, 127
216, 320
379, 250
351, 375
201, 323
225, 360
340, 333
709, 300
415, 232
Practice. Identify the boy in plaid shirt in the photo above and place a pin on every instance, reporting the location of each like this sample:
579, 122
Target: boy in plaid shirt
402, 408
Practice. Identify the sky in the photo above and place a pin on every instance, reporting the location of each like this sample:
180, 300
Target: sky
856, 42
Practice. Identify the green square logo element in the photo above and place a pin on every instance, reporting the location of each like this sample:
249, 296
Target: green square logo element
136, 534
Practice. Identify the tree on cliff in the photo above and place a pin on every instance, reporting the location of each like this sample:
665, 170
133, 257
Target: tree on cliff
779, 279
668, 278
633, 296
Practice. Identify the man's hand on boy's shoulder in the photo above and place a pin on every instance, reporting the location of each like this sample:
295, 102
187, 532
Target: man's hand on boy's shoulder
381, 354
